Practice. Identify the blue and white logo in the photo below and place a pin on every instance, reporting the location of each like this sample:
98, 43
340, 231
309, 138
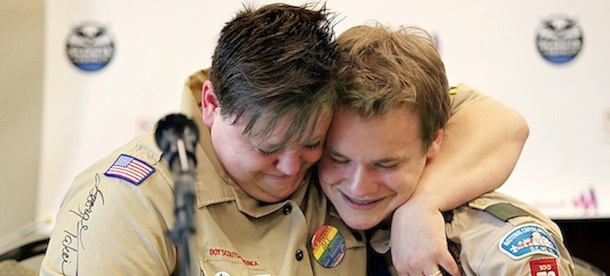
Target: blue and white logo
89, 46
528, 239
559, 39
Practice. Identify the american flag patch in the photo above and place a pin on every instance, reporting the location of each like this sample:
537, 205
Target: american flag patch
130, 169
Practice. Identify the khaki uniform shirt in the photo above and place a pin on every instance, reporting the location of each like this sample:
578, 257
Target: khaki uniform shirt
499, 235
463, 95
115, 217
498, 239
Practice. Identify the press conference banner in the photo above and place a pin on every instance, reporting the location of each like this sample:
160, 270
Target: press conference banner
113, 68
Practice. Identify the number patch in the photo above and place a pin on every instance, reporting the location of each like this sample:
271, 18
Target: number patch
544, 267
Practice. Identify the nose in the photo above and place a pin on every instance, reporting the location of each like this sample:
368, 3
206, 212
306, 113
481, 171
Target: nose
362, 183
289, 162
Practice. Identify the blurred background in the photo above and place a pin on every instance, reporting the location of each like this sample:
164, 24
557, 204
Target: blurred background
81, 77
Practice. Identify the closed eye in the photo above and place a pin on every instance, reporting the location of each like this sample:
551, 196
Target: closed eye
269, 153
312, 146
336, 159
386, 166
266, 153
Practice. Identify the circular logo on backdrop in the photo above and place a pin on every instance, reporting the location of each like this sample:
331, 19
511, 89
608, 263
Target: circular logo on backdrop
559, 39
89, 46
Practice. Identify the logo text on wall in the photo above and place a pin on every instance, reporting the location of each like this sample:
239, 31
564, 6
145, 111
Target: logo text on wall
89, 46
559, 39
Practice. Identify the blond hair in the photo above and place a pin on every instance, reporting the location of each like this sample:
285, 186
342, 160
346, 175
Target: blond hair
381, 69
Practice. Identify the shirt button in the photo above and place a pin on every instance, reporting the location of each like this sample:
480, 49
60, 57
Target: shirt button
299, 254
287, 209
479, 202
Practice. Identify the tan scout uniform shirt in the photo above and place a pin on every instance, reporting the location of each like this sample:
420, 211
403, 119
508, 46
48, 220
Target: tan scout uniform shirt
114, 219
463, 95
499, 235
498, 239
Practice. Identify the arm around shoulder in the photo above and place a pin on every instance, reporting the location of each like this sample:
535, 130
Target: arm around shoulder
481, 145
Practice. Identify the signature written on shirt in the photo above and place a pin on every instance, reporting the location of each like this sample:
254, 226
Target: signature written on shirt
72, 241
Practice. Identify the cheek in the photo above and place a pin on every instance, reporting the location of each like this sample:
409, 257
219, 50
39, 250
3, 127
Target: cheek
404, 183
240, 158
253, 161
247, 167
311, 156
329, 172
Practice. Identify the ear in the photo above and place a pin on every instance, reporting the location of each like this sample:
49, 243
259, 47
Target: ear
435, 144
209, 103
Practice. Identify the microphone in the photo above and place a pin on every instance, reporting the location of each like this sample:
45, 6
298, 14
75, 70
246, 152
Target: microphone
177, 136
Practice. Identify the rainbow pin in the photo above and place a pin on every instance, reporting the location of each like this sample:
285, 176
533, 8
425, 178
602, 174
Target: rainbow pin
328, 246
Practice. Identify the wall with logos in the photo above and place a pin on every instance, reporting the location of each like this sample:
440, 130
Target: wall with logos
112, 69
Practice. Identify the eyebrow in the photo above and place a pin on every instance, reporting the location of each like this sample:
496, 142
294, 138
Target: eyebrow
379, 161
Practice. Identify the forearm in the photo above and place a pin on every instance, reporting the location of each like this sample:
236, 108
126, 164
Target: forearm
481, 145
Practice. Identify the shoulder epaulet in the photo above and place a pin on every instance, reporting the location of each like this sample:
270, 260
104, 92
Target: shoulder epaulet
505, 211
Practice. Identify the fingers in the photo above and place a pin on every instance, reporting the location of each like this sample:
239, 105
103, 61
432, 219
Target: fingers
428, 268
447, 262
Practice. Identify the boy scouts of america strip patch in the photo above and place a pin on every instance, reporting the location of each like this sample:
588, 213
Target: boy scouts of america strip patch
528, 239
130, 169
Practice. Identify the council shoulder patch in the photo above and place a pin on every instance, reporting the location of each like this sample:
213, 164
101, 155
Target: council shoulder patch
130, 169
528, 239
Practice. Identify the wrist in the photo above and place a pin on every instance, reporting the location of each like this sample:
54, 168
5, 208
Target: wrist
420, 204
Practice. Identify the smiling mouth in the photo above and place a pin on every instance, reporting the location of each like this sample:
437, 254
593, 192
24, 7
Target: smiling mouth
360, 204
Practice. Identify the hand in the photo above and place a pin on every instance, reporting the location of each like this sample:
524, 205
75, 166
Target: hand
419, 243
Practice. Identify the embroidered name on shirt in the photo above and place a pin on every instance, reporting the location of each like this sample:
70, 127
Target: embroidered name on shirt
130, 169
528, 239
72, 242
231, 254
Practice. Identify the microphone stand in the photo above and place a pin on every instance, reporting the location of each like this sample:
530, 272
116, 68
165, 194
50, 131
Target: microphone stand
177, 136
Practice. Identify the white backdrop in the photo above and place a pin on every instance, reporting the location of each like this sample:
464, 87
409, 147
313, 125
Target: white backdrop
564, 169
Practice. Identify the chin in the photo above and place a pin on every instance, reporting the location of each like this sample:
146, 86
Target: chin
277, 197
359, 224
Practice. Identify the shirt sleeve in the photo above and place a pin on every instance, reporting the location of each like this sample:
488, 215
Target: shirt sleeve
527, 249
500, 235
114, 224
463, 95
